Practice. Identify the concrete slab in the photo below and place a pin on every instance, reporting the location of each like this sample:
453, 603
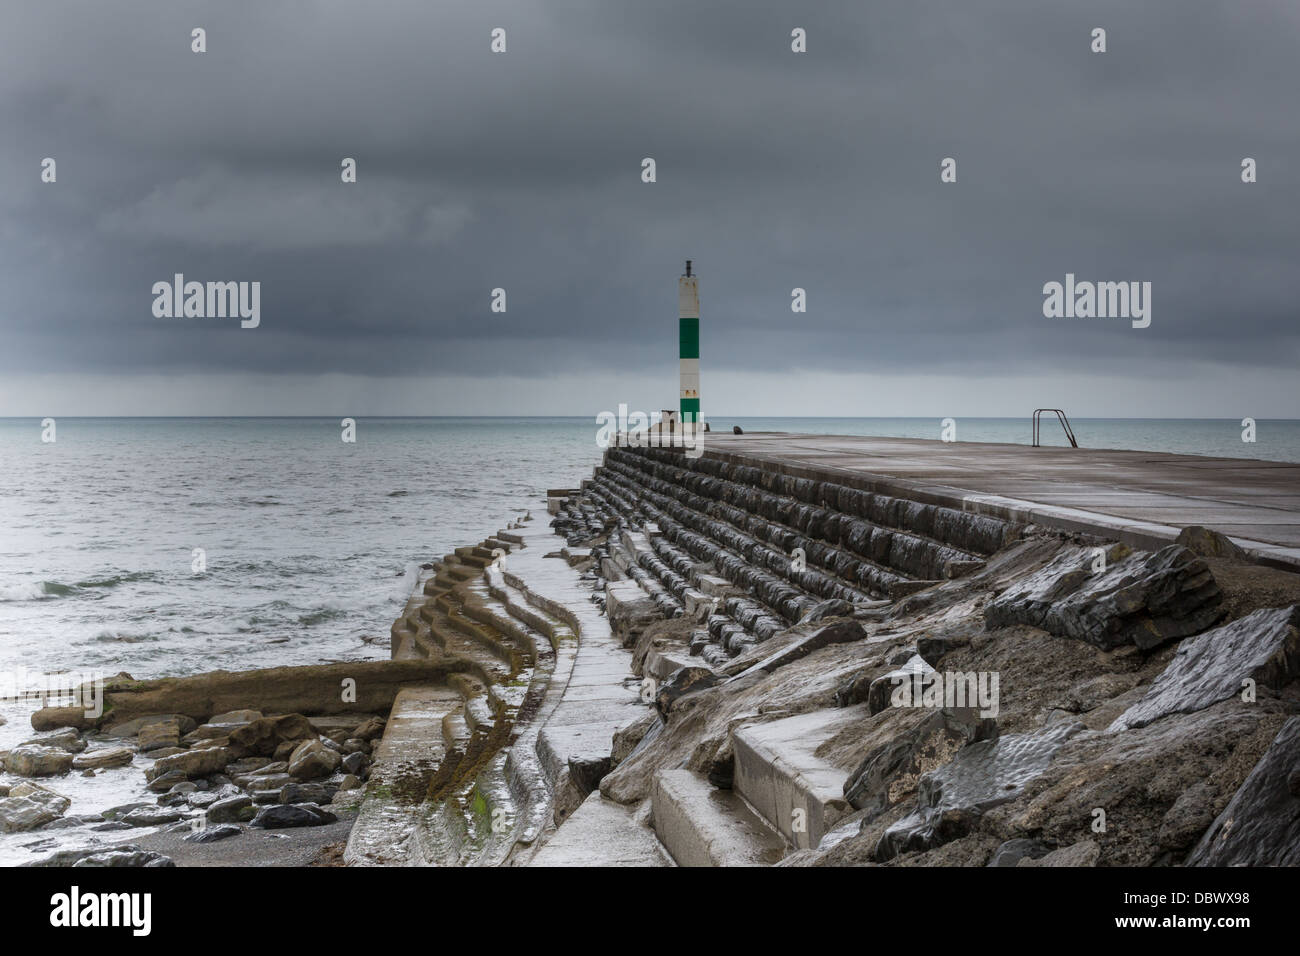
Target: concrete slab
1141, 498
601, 833
779, 773
700, 825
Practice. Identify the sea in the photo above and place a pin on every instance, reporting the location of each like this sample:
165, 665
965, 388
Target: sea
170, 546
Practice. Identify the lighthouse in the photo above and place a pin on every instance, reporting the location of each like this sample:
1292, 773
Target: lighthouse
688, 327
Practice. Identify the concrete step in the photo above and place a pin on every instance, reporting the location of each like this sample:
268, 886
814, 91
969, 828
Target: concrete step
479, 715
455, 729
779, 773
601, 833
700, 825
407, 759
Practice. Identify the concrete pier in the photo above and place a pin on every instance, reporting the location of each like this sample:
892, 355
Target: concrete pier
1141, 498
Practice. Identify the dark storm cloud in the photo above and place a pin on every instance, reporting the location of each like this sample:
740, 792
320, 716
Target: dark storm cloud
522, 171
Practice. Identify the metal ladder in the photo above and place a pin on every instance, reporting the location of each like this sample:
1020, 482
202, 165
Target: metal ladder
1060, 416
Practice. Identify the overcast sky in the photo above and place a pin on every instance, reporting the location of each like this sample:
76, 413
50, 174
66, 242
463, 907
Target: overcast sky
775, 170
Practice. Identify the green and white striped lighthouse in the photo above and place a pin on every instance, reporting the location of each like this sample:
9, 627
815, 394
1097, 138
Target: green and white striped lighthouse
688, 327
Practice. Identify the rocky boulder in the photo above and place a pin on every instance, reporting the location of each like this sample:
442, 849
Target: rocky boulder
212, 834
101, 759
1263, 647
29, 806
132, 728
263, 736
160, 734
1145, 599
66, 739
892, 771
153, 816
1209, 543
32, 760
311, 760
1261, 824
686, 680
981, 776
192, 763
125, 856
236, 809
282, 815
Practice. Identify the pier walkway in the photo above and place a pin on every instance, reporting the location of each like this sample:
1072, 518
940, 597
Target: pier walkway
1141, 498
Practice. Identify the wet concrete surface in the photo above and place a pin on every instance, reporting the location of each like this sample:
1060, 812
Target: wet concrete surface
1143, 498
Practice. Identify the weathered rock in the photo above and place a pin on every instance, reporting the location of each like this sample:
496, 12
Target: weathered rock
269, 782
686, 680
1083, 853
234, 809
246, 765
30, 760
67, 739
1261, 824
832, 608
339, 726
1209, 543
370, 729
165, 781
881, 693
311, 760
158, 735
1263, 646
981, 776
1143, 599
1012, 852
235, 717
72, 856
627, 739
153, 816
282, 815
192, 763
112, 813
29, 806
262, 737
132, 728
320, 793
99, 759
815, 638
1188, 818
123, 856
932, 648
204, 732
891, 772
53, 718
284, 750
349, 782
355, 762
211, 834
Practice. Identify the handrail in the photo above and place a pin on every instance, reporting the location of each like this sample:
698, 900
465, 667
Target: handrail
1060, 416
